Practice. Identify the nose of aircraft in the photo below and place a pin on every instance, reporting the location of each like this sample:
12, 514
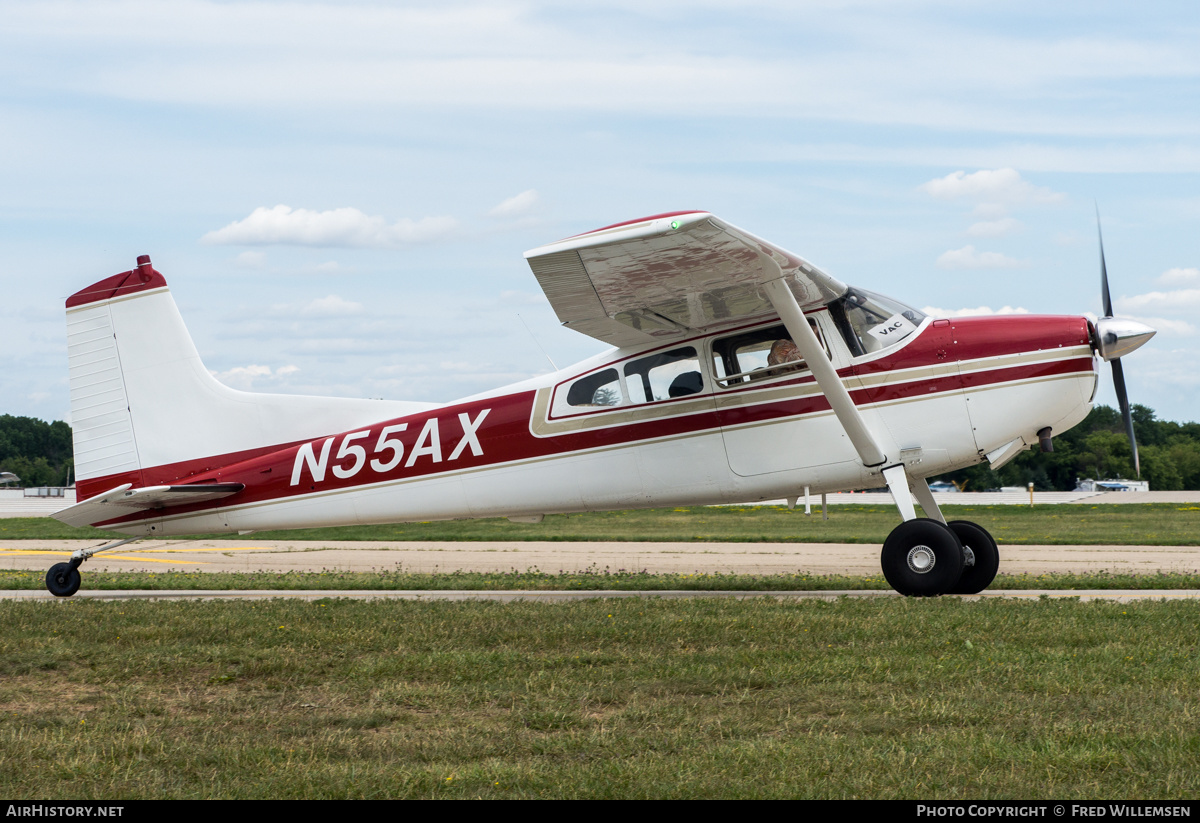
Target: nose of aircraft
1117, 336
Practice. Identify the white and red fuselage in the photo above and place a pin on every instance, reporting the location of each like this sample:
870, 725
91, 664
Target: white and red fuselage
146, 413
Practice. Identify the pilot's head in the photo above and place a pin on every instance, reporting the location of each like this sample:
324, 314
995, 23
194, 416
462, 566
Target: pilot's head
783, 351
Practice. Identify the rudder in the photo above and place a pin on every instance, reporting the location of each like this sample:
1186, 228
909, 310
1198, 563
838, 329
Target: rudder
145, 410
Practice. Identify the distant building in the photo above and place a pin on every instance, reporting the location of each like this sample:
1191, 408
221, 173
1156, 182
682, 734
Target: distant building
38, 501
43, 492
1090, 485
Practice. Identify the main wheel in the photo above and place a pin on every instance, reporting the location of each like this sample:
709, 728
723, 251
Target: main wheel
980, 574
63, 579
922, 558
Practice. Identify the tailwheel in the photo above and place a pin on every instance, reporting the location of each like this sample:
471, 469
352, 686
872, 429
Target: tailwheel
63, 579
922, 558
982, 557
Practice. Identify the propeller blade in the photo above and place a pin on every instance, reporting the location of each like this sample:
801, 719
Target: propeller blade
1115, 338
1126, 414
1104, 296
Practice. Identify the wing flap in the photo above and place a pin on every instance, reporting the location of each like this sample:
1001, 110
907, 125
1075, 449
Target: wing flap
670, 275
125, 499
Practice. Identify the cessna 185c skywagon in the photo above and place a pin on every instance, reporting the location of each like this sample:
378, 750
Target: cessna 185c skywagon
741, 372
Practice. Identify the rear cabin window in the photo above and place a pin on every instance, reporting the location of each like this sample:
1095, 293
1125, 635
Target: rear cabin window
758, 355
599, 390
665, 375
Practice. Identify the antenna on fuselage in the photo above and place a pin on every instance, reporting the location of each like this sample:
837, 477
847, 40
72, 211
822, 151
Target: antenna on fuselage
535, 340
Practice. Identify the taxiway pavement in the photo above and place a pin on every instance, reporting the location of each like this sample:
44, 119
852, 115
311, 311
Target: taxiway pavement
554, 557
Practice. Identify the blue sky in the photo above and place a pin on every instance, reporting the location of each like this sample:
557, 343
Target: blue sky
339, 194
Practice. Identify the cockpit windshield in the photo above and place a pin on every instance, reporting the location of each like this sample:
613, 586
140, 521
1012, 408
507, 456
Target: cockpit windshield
870, 322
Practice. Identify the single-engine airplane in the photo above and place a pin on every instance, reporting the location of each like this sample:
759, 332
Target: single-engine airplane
740, 372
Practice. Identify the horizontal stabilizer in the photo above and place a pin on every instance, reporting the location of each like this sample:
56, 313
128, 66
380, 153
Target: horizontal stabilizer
125, 500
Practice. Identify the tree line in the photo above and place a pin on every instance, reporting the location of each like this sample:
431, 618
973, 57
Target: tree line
41, 454
1098, 449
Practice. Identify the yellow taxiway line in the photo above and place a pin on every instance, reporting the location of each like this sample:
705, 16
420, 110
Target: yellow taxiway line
107, 556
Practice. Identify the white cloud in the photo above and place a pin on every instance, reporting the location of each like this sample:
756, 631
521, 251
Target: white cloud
331, 306
516, 205
1179, 277
1161, 367
892, 64
968, 258
933, 311
994, 228
244, 377
250, 260
1160, 302
990, 211
247, 372
284, 225
994, 187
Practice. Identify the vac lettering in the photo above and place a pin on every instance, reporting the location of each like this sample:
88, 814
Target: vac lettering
894, 327
351, 456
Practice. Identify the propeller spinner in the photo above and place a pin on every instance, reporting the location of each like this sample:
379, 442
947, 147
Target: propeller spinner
1114, 338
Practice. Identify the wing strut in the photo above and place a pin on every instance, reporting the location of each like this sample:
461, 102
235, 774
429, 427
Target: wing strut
868, 448
785, 304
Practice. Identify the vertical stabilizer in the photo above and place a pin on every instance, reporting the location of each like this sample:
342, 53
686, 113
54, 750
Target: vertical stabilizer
145, 410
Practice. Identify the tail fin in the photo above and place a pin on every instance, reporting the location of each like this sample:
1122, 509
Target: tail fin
144, 409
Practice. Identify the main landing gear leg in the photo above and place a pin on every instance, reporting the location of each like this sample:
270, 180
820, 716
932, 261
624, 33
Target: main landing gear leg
922, 557
981, 557
63, 579
926, 557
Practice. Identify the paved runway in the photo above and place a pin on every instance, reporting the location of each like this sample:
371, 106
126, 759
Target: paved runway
553, 557
685, 558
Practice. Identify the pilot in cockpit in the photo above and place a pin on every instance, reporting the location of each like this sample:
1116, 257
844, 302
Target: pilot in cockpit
783, 351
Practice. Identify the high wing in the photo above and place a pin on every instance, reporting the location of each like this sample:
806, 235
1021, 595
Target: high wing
669, 275
125, 499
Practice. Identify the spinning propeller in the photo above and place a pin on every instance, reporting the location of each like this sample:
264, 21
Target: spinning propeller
1116, 337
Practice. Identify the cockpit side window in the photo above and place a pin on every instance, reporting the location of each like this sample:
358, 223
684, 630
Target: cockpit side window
870, 322
758, 354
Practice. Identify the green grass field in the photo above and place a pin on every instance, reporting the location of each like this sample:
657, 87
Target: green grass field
887, 698
894, 698
534, 580
1149, 524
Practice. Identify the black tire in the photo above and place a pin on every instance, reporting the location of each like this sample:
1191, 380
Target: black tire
922, 558
63, 580
978, 577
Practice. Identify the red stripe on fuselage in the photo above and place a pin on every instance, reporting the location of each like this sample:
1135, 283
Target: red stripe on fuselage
975, 338
504, 435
